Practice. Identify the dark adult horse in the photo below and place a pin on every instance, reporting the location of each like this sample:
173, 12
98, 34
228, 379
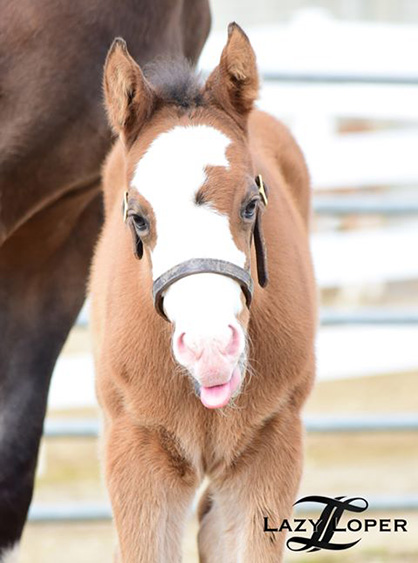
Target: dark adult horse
54, 136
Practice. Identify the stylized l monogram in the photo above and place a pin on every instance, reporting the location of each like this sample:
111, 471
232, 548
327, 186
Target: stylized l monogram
327, 524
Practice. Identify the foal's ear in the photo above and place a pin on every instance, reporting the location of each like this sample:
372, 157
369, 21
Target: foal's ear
234, 82
130, 98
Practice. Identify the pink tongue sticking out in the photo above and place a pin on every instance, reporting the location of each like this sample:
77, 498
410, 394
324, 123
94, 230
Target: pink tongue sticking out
219, 396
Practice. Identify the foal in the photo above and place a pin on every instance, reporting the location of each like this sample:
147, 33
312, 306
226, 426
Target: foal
200, 371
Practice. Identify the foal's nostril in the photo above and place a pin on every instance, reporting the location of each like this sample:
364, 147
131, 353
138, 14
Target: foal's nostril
233, 345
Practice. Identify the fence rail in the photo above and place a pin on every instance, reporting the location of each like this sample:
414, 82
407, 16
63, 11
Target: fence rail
341, 78
89, 427
349, 205
368, 317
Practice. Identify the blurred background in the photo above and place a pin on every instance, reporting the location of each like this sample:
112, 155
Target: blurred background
343, 75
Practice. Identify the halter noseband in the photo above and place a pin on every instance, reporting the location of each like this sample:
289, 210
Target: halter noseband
200, 266
213, 265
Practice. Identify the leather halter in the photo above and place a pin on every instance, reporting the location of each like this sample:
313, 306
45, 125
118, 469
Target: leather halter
213, 265
201, 266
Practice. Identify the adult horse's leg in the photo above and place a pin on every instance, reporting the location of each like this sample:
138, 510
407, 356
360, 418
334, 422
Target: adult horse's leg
43, 268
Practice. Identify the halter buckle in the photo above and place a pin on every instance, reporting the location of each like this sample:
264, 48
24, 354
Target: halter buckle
125, 207
261, 189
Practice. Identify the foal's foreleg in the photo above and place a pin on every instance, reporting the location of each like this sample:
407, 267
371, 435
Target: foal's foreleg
211, 529
263, 482
151, 489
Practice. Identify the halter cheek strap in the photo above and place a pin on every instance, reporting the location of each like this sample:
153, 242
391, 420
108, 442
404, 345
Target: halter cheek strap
210, 265
260, 247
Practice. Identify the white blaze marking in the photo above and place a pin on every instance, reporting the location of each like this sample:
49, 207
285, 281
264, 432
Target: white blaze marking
169, 175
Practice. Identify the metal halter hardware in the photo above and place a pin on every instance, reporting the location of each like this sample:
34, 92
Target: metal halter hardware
125, 206
200, 266
261, 189
211, 265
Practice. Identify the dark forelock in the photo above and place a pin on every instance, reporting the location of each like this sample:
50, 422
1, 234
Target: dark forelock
175, 82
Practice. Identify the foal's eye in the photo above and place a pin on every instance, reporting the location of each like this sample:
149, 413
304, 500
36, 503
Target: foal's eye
141, 224
249, 210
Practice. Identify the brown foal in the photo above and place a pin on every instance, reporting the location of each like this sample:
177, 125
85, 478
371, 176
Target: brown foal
215, 196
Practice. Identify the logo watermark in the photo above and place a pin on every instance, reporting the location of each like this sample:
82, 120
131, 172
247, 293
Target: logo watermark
322, 532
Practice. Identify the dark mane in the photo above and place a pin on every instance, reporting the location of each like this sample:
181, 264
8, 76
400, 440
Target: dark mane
175, 81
